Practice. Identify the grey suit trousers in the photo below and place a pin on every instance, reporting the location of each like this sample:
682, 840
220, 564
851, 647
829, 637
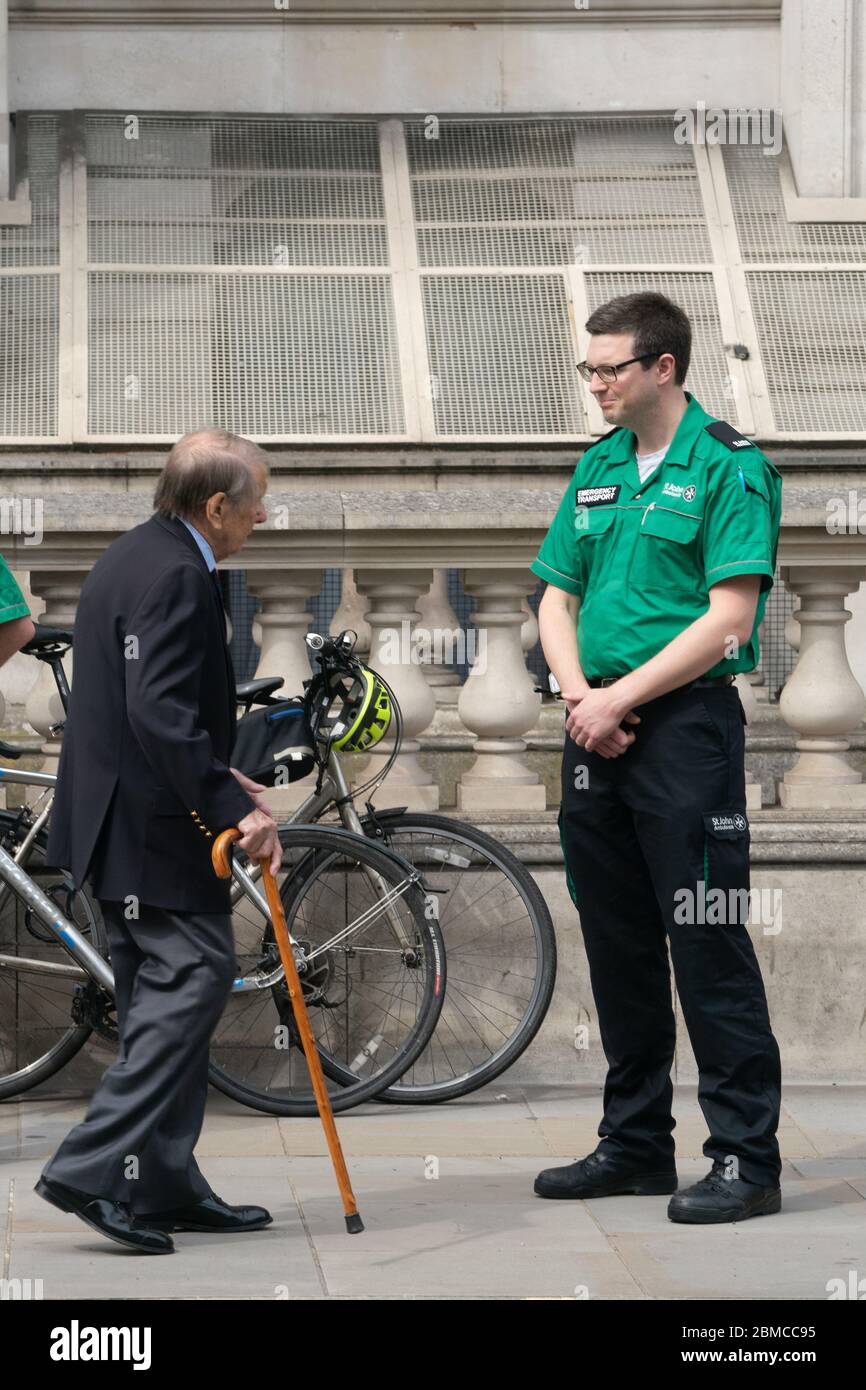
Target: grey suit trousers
173, 974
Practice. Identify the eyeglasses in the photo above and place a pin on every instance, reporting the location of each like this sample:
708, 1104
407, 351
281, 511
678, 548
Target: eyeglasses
607, 374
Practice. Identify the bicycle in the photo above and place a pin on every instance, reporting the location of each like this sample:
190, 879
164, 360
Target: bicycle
398, 1010
47, 1019
491, 911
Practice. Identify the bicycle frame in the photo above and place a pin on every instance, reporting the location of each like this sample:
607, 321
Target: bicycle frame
13, 880
334, 788
92, 964
30, 779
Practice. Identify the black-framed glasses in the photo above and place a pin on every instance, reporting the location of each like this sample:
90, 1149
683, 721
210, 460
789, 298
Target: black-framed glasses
606, 373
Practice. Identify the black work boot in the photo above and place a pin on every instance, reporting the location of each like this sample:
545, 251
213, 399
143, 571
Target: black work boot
603, 1174
719, 1198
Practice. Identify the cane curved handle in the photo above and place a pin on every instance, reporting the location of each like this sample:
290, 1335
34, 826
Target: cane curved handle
222, 864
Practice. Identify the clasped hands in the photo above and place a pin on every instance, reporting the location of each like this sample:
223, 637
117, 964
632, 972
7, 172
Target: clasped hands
594, 718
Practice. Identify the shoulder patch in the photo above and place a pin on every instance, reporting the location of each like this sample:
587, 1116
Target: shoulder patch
726, 434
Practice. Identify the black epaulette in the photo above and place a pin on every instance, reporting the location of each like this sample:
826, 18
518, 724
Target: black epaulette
721, 430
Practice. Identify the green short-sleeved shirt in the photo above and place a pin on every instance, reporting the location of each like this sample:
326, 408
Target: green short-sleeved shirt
12, 603
643, 557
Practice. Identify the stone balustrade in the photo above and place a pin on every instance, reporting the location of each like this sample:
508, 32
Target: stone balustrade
393, 547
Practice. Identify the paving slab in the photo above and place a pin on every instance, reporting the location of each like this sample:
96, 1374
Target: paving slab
446, 1196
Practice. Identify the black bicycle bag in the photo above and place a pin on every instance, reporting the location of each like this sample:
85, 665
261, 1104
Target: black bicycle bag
274, 744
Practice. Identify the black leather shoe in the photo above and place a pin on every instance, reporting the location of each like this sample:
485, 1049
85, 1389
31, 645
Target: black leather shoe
112, 1219
211, 1214
605, 1175
717, 1198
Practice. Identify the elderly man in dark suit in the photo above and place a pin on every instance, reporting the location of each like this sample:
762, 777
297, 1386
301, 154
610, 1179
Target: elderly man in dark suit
144, 785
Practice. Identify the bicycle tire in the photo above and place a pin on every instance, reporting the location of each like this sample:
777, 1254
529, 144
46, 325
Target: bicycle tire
320, 846
412, 1089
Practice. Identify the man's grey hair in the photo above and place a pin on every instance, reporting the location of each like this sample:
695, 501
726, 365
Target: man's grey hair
202, 463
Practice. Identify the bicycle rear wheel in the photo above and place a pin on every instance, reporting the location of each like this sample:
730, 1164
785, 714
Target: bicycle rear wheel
45, 1015
372, 976
501, 951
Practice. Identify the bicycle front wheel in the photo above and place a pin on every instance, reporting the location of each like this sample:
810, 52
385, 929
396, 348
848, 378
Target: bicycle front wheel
372, 973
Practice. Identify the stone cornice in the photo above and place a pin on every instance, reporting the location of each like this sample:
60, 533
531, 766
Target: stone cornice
481, 526
470, 12
129, 462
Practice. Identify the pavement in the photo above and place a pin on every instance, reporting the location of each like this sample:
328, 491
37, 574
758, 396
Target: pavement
446, 1196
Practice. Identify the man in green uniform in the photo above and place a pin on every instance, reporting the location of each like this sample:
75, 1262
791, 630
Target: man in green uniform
16, 626
658, 565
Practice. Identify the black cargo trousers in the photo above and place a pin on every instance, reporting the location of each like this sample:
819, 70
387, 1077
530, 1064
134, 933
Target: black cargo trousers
649, 839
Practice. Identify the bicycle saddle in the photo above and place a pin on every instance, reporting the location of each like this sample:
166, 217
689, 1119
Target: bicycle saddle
45, 637
250, 691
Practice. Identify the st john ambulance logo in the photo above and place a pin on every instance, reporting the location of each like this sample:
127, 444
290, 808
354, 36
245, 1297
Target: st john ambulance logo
733, 823
690, 493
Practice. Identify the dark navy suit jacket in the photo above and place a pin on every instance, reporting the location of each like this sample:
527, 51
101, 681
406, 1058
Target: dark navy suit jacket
143, 781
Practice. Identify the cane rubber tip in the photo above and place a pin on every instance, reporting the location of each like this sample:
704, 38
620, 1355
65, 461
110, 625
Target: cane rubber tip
354, 1224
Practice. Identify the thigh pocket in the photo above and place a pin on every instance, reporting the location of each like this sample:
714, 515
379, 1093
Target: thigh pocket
714, 710
726, 867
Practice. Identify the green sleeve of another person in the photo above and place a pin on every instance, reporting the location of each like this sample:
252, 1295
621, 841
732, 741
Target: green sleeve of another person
12, 603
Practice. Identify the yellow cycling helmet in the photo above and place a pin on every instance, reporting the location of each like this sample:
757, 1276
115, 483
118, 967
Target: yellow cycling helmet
365, 711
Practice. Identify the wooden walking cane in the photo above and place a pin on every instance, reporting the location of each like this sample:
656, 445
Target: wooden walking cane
222, 868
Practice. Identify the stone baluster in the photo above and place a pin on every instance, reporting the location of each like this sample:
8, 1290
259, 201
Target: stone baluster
279, 628
528, 638
60, 590
497, 701
392, 613
821, 700
282, 622
444, 634
352, 614
792, 628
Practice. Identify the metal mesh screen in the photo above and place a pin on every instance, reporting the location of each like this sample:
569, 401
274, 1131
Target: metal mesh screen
759, 213
591, 190
38, 244
262, 355
708, 376
778, 657
28, 355
254, 192
306, 353
29, 303
500, 355
810, 327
